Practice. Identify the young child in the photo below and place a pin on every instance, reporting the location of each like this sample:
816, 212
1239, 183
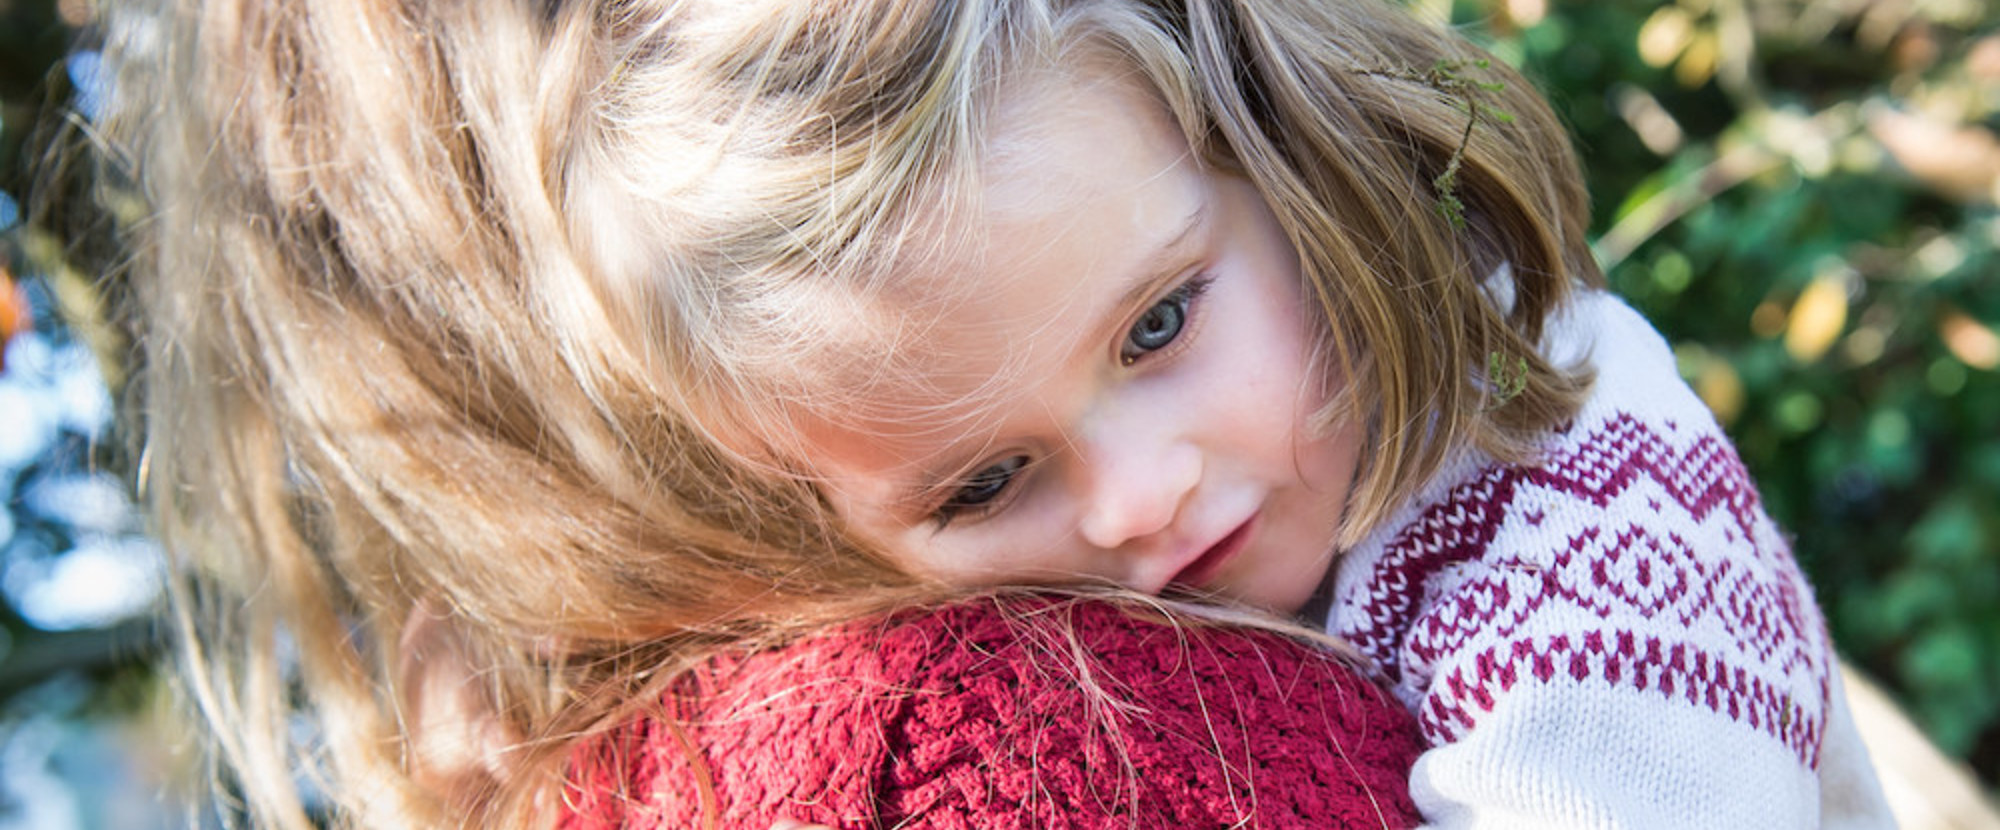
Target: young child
562, 346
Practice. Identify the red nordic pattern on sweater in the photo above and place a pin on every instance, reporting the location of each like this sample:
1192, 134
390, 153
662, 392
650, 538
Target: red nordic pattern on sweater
1619, 559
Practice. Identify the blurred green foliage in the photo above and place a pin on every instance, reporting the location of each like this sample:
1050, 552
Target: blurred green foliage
1801, 193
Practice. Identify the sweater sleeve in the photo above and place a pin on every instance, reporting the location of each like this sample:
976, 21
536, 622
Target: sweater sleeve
1615, 675
1014, 712
1614, 635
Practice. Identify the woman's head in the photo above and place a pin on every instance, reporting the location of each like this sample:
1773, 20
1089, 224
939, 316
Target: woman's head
556, 314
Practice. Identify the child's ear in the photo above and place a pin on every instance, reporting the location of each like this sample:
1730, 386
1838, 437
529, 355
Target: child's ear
457, 741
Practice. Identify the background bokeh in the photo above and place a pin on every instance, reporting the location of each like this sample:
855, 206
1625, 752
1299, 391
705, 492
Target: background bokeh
1801, 193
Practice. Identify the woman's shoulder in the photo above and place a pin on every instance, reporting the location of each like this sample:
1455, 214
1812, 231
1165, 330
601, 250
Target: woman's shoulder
1014, 711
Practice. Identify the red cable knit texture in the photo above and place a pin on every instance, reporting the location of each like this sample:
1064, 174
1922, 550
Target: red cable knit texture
1014, 713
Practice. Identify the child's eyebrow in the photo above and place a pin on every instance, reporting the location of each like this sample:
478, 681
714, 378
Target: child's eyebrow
1162, 263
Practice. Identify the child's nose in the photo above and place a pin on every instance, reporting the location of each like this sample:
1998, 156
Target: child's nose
1136, 488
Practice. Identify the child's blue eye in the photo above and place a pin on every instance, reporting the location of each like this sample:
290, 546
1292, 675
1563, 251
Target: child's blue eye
979, 492
1162, 324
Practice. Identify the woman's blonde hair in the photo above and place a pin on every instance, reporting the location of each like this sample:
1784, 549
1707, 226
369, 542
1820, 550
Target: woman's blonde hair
495, 311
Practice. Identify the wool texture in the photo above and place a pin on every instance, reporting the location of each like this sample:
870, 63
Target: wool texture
1614, 634
1012, 712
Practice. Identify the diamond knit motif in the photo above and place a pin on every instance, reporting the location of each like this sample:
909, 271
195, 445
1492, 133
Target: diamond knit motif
1620, 560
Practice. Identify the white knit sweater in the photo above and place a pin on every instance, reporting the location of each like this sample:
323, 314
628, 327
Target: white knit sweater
1615, 635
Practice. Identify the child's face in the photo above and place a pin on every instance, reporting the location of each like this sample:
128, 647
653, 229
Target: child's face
1141, 348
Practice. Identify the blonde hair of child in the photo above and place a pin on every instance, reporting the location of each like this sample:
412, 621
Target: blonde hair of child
502, 310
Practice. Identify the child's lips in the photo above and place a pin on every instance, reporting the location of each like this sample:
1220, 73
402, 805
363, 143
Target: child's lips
1204, 567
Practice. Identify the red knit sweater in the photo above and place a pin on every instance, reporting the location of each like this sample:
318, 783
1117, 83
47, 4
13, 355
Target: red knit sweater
974, 716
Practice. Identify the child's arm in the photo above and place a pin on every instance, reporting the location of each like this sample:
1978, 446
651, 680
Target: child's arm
1619, 677
1615, 635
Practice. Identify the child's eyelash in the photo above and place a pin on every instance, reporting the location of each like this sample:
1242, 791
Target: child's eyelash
1183, 301
1196, 286
982, 492
1188, 293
